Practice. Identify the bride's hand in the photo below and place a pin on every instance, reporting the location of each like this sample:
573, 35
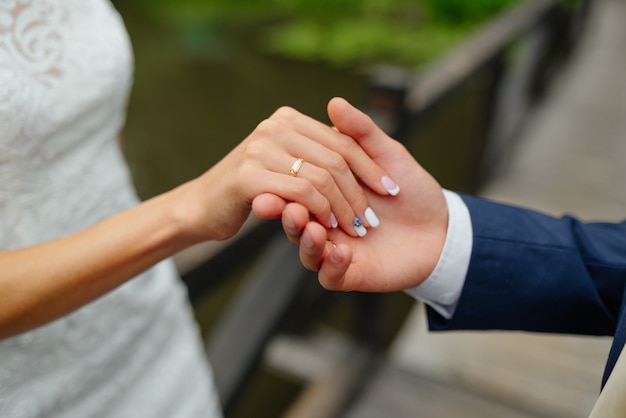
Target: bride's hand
260, 173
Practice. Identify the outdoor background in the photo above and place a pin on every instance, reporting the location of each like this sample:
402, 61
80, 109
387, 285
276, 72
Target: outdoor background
208, 71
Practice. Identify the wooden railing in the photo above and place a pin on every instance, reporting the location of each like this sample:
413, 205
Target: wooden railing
514, 57
278, 303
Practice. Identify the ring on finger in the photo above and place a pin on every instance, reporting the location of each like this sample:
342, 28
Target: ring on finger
295, 167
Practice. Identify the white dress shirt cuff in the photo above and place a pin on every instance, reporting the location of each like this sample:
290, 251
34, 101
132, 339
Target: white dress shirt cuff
442, 289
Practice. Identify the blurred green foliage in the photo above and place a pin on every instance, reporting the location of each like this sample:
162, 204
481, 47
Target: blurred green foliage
340, 32
460, 11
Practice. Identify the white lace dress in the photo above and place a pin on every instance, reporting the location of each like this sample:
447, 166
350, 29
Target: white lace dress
65, 72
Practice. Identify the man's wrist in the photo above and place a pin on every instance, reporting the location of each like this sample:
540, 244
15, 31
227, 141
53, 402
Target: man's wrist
442, 289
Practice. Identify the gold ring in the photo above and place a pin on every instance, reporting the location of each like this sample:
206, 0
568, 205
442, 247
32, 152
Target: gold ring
296, 167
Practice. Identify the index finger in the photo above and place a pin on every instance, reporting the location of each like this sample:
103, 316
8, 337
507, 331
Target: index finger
361, 164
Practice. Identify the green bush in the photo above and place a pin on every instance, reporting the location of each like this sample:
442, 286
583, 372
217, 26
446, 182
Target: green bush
340, 32
349, 32
462, 11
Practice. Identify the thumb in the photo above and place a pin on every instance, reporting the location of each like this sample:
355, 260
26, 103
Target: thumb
352, 122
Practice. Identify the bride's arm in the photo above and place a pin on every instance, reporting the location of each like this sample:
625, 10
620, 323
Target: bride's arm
41, 283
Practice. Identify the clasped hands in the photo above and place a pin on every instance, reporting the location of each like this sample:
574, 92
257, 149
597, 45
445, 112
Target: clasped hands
400, 250
364, 213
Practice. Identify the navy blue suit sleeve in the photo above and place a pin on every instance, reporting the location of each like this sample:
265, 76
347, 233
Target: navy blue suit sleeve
533, 272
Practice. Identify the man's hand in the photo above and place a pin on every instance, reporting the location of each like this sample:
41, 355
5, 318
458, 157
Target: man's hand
405, 248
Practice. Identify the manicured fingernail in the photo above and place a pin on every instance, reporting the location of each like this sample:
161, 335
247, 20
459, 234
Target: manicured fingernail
358, 227
333, 220
390, 186
371, 217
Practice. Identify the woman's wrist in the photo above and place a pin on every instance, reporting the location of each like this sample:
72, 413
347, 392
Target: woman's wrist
181, 209
207, 208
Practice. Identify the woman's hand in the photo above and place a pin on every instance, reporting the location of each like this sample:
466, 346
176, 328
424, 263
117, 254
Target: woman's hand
76, 269
256, 174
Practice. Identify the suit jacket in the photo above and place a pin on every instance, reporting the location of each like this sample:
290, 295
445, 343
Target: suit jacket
533, 272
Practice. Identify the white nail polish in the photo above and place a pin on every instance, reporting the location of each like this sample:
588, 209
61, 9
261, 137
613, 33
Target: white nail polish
333, 220
371, 217
390, 186
359, 228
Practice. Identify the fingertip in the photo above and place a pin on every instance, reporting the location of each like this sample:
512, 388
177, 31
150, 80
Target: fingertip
337, 109
333, 269
268, 206
294, 219
390, 186
337, 101
334, 223
307, 241
338, 254
313, 246
292, 231
297, 213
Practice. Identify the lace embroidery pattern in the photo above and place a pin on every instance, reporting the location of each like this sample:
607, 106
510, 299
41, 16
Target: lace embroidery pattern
32, 33
28, 32
53, 49
65, 72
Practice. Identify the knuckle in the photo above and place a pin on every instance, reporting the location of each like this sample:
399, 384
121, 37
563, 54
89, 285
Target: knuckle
306, 192
267, 127
245, 171
336, 163
303, 189
285, 113
255, 150
323, 179
346, 145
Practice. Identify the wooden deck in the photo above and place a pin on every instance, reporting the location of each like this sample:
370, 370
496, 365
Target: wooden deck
570, 159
